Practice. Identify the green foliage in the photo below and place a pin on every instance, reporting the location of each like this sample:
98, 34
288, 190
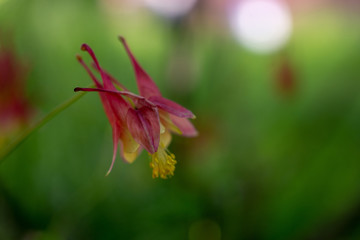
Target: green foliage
265, 166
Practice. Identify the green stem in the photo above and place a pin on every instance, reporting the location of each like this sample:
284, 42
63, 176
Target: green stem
27, 132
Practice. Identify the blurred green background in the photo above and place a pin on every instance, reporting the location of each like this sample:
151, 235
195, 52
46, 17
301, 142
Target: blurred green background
277, 156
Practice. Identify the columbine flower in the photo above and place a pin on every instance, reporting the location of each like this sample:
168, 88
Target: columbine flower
148, 118
122, 117
173, 117
14, 106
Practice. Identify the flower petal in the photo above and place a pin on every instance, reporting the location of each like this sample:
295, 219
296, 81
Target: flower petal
166, 138
171, 107
115, 143
109, 102
168, 124
130, 157
106, 81
129, 143
144, 126
112, 79
118, 105
185, 126
138, 101
146, 85
92, 76
104, 99
129, 147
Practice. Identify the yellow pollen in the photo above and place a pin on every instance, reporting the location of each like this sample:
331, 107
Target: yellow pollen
163, 163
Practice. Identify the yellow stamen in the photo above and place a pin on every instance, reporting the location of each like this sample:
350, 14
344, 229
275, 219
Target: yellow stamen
163, 163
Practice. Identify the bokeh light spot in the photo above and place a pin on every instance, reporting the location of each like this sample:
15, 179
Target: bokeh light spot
262, 26
170, 8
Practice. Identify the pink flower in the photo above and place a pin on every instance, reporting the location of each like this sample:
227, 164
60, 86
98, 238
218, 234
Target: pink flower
173, 117
141, 121
14, 106
286, 78
117, 108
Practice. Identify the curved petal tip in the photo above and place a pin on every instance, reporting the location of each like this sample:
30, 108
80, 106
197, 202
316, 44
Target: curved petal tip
78, 57
122, 39
84, 47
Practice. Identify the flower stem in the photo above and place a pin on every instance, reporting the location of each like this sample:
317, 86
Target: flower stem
27, 132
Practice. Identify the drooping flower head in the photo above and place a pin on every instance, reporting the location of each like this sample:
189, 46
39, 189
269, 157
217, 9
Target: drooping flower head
143, 121
14, 106
118, 111
173, 117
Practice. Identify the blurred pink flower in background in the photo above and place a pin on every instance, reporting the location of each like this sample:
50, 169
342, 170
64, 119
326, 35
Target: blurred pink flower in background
286, 78
15, 108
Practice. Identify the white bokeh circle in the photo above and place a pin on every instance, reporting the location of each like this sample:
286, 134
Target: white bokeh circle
262, 26
170, 8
